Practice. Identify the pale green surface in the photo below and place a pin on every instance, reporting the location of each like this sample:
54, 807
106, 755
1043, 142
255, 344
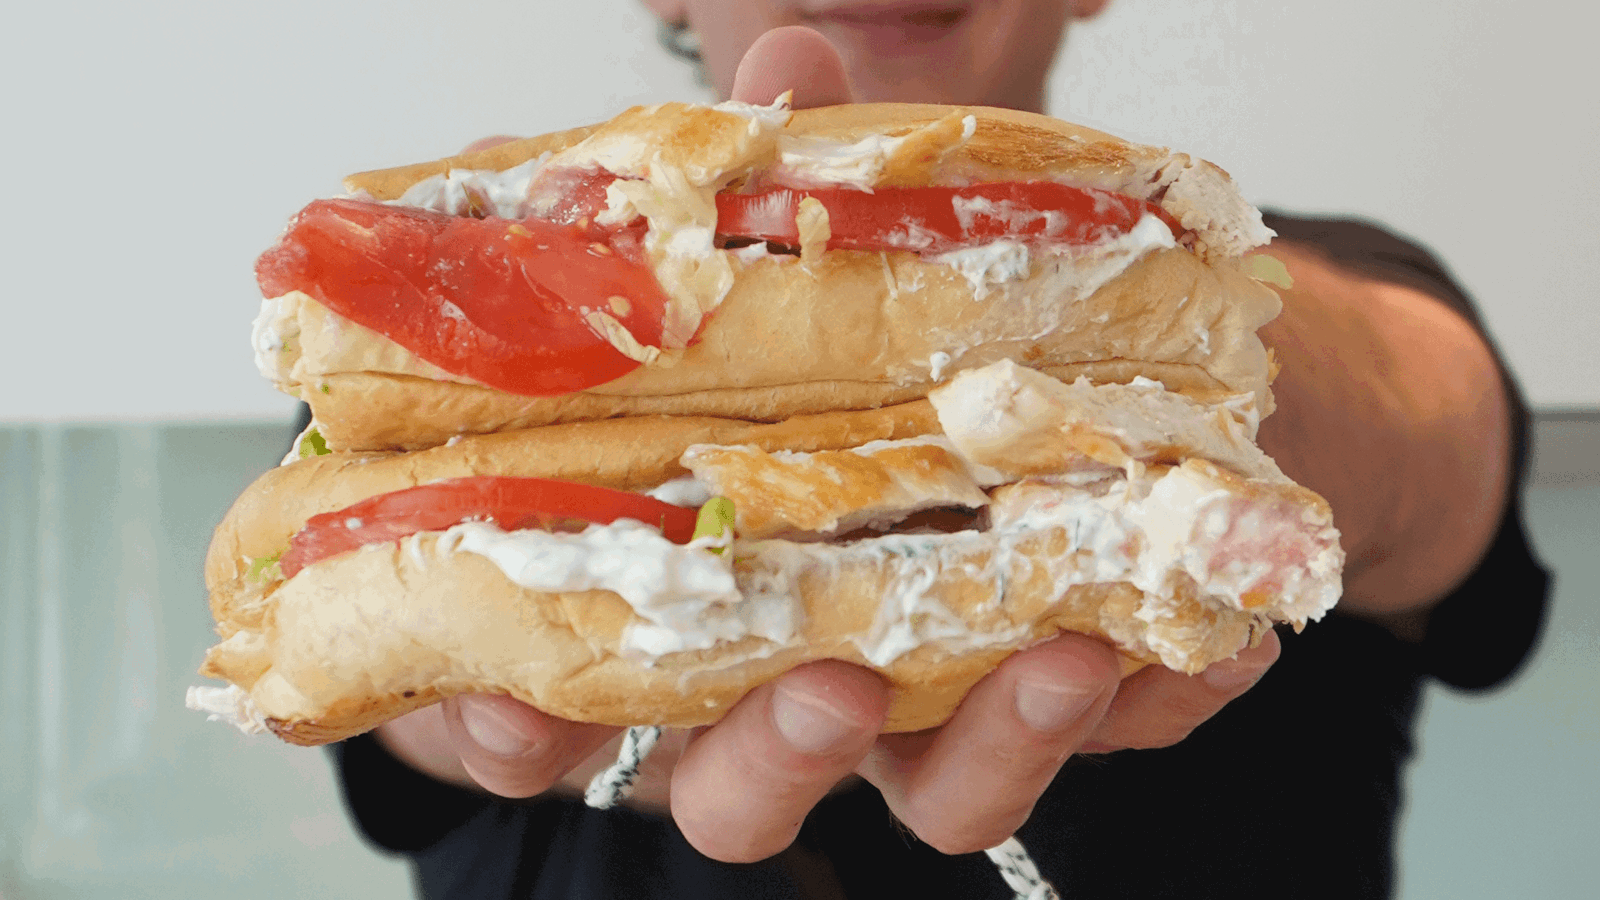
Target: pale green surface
111, 789
1505, 795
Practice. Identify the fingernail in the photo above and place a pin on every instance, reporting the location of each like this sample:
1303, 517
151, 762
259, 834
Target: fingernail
808, 723
492, 730
1231, 674
1050, 707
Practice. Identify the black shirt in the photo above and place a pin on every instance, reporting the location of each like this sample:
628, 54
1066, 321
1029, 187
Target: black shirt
1291, 791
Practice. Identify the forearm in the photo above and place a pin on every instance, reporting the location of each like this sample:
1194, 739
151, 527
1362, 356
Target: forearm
1391, 406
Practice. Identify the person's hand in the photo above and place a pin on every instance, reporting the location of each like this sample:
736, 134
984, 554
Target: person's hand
740, 789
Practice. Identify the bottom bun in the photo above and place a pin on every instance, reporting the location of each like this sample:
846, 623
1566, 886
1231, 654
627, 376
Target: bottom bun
354, 641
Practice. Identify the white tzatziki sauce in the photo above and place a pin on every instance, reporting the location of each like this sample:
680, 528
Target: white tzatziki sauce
683, 491
685, 594
460, 192
230, 704
813, 161
275, 335
1140, 532
989, 264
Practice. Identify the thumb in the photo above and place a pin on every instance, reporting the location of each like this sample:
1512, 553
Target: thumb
792, 58
512, 749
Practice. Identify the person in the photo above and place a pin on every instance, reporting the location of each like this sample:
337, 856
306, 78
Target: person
1275, 773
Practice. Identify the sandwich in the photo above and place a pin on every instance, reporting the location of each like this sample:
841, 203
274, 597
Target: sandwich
626, 420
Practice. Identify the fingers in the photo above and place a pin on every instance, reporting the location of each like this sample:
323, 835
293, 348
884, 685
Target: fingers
792, 58
970, 784
744, 786
1158, 707
512, 749
742, 789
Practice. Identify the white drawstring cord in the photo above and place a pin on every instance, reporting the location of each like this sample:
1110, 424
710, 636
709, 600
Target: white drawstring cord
612, 786
1019, 871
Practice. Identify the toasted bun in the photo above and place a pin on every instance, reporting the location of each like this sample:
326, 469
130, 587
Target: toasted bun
368, 636
1142, 556
849, 329
1005, 144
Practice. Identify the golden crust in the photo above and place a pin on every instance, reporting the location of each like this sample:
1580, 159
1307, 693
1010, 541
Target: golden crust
1005, 145
1005, 141
831, 490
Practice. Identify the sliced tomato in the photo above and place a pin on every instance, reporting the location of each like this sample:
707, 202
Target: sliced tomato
510, 503
570, 196
508, 304
940, 219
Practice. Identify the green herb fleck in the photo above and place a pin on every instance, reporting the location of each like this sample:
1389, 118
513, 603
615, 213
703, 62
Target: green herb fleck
715, 519
265, 569
313, 444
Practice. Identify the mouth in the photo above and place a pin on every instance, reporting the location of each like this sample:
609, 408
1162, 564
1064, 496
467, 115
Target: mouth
915, 21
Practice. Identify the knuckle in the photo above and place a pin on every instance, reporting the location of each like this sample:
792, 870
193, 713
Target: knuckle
1148, 726
1164, 713
1161, 729
1190, 707
1156, 738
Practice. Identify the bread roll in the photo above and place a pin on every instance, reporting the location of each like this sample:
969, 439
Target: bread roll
1180, 565
935, 459
846, 330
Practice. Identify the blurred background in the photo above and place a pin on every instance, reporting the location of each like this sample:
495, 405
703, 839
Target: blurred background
156, 148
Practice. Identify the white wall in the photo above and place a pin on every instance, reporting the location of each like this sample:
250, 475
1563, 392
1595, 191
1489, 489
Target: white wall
156, 148
1470, 125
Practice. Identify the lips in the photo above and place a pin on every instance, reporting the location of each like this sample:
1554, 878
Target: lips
908, 20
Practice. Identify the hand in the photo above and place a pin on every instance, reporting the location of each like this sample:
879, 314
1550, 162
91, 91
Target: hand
740, 789
971, 783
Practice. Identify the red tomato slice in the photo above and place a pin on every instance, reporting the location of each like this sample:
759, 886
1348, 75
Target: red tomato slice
570, 196
940, 219
503, 303
510, 503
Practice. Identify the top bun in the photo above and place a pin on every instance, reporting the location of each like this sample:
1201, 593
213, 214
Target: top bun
1005, 144
844, 329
